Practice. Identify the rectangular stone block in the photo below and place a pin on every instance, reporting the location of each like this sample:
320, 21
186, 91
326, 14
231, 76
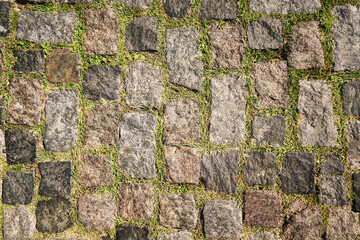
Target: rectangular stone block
285, 6
353, 144
4, 18
351, 98
219, 9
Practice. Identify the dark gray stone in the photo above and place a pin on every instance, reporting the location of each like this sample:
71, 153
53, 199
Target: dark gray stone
132, 233
353, 144
18, 188
285, 6
142, 34
183, 235
55, 179
351, 98
219, 9
332, 164
29, 61
20, 146
176, 8
269, 130
102, 82
53, 216
46, 27
260, 168
298, 172
333, 190
265, 33
4, 18
343, 224
19, 223
356, 178
219, 172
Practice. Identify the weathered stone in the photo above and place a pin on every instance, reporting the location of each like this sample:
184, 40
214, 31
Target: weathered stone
55, 179
138, 3
184, 235
332, 164
178, 211
97, 212
263, 208
181, 121
345, 35
269, 130
318, 122
20, 146
2, 54
61, 112
270, 84
101, 31
136, 201
183, 165
102, 82
353, 144
95, 171
265, 33
137, 145
227, 45
2, 145
29, 61
26, 104
132, 233
219, 9
219, 172
102, 125
298, 172
351, 102
222, 219
285, 6
63, 66
18, 188
333, 190
356, 178
176, 8
343, 224
182, 55
142, 34
263, 236
5, 18
260, 168
305, 49
19, 223
2, 108
229, 96
53, 216
46, 27
143, 85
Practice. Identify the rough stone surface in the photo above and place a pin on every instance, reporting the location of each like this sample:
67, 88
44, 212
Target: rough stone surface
285, 6
263, 208
46, 27
55, 179
29, 61
142, 34
138, 3
265, 33
345, 34
181, 121
19, 223
269, 130
270, 84
219, 9
63, 66
356, 178
351, 99
183, 165
2, 53
101, 31
26, 104
4, 18
20, 146
2, 146
176, 8
263, 236
136, 201
97, 212
260, 168
305, 49
227, 45
178, 211
219, 172
182, 55
353, 144
333, 190
332, 164
137, 145
61, 112
96, 171
132, 233
102, 125
18, 188
229, 96
343, 224
53, 216
2, 108
143, 85
184, 235
222, 219
298, 172
318, 122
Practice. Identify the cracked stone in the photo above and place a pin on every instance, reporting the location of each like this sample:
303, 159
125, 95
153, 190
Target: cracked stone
137, 145
333, 190
176, 8
182, 55
46, 27
219, 9
132, 233
29, 61
219, 172
184, 235
343, 224
96, 171
351, 93
5, 18
229, 97
356, 178
138, 3
269, 130
63, 66
265, 33
285, 6
263, 236
18, 188
20, 146
332, 164
19, 223
353, 144
61, 112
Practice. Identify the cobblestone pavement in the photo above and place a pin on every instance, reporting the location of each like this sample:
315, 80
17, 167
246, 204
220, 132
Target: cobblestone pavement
180, 119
